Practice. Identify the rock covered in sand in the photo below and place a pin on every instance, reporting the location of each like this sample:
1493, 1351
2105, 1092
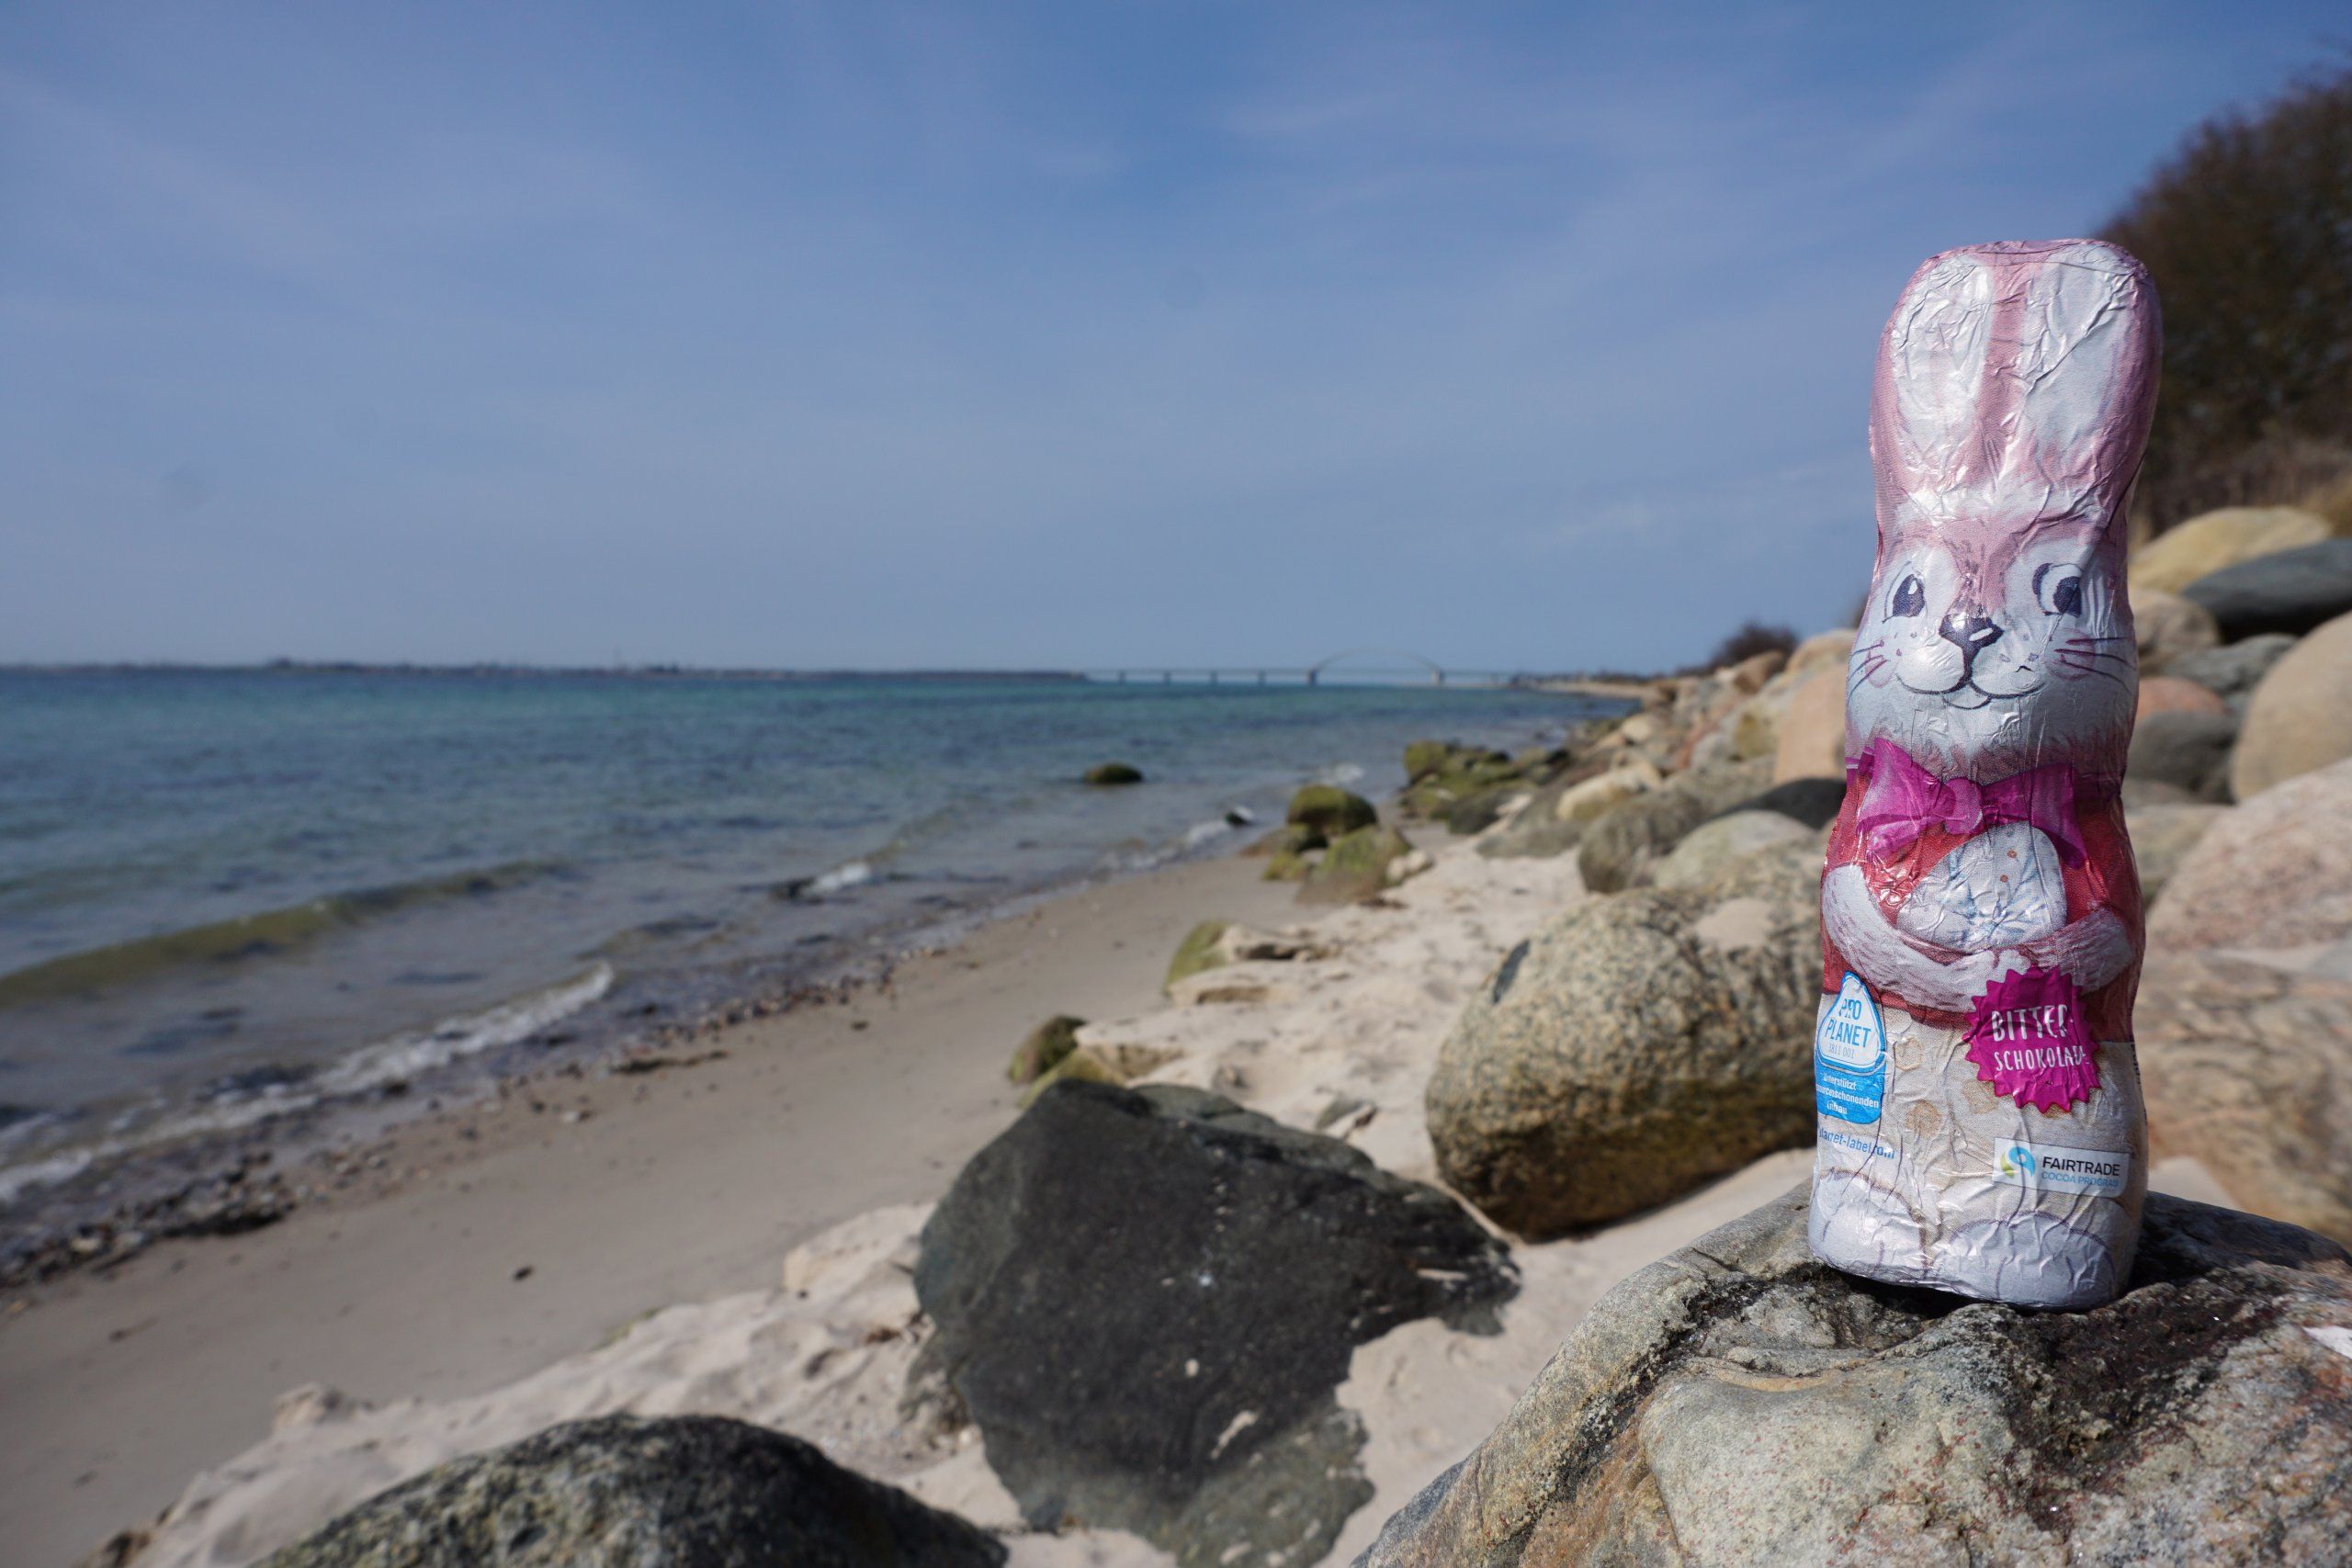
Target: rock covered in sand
621, 1492
1741, 1403
1145, 1298
1635, 1046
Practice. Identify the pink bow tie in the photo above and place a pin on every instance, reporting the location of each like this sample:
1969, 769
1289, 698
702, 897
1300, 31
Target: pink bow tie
1904, 800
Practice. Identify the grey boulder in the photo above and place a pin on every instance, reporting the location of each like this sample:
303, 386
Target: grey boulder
2188, 751
621, 1492
1740, 1403
2291, 591
1635, 1047
1616, 852
1145, 1299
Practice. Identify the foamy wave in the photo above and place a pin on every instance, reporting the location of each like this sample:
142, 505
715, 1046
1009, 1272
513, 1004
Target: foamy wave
1200, 833
1341, 773
842, 877
370, 1066
406, 1056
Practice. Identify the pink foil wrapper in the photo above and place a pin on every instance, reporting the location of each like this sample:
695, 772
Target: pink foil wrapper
1981, 1128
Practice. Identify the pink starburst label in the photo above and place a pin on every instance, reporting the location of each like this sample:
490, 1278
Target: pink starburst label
2028, 1041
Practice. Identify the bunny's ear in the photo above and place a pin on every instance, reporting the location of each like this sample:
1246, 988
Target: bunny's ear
2017, 379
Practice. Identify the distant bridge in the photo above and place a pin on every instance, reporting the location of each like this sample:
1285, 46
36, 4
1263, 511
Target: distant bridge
1404, 668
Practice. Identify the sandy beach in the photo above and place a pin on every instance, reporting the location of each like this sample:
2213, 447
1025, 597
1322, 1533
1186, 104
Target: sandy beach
621, 1196
509, 1266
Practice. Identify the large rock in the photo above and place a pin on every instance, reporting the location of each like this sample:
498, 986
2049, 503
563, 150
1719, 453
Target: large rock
1740, 1403
2232, 673
620, 1491
2163, 836
2274, 871
1043, 1048
2170, 628
1715, 843
1814, 802
1145, 1298
2300, 717
1616, 851
1823, 650
1811, 742
2188, 750
2207, 544
2248, 1068
1554, 819
2291, 592
2169, 694
1354, 868
1331, 810
1635, 1047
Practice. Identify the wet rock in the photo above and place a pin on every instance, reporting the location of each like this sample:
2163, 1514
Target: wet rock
1635, 1046
1288, 851
1331, 810
2208, 543
1046, 1044
1740, 1403
2189, 750
2300, 717
2291, 592
1354, 868
1145, 1299
2248, 1067
1113, 773
2274, 871
621, 1492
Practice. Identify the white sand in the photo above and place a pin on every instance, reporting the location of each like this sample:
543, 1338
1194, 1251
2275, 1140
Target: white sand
1347, 1038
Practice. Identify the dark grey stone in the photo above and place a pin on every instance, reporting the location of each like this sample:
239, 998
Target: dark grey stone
2188, 751
2291, 591
1814, 802
1146, 1298
621, 1492
2232, 671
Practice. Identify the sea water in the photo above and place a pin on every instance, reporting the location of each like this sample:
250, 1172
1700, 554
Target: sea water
223, 893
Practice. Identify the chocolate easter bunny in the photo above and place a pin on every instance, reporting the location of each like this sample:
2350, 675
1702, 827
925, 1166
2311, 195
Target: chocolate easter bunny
1980, 1121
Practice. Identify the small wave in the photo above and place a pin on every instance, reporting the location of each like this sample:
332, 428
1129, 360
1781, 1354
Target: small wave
406, 1056
1341, 773
1200, 833
266, 1092
841, 877
247, 936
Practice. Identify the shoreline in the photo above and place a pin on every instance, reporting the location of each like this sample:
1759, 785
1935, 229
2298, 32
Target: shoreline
475, 1243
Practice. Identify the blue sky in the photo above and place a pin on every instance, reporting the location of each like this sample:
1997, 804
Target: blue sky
1002, 335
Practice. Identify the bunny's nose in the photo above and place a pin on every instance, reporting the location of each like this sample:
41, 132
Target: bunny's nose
1971, 633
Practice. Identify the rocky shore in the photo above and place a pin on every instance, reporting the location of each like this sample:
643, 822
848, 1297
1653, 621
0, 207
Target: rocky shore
1466, 1139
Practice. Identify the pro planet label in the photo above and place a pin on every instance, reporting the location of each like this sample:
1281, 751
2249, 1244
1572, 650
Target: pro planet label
1849, 1055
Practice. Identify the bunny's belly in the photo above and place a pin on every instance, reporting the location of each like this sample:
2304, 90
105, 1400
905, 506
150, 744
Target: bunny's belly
2000, 889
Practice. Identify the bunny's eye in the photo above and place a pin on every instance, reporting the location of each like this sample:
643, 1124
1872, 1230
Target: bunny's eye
1910, 597
2059, 590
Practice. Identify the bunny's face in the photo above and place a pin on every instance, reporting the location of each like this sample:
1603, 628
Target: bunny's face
2014, 387
1982, 644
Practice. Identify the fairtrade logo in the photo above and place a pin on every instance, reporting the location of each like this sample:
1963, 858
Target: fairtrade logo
2021, 1155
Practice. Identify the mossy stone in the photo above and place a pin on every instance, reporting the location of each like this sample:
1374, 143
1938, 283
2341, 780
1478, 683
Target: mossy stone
1354, 868
1113, 773
1044, 1049
1197, 951
1331, 810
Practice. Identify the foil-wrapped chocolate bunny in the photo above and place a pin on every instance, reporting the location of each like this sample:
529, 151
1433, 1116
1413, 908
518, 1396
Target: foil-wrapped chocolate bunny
1980, 1120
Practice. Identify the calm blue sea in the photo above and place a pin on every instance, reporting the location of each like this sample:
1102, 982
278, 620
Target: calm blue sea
222, 893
